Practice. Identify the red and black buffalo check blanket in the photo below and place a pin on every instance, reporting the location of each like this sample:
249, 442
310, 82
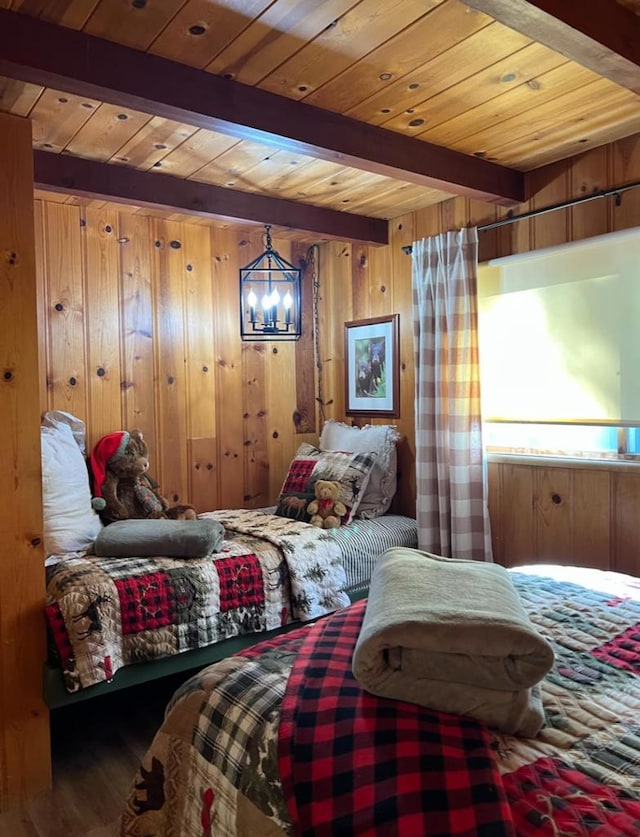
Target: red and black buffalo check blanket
353, 763
104, 613
280, 740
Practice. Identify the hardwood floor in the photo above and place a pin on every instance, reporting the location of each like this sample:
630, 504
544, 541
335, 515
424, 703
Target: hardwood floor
96, 746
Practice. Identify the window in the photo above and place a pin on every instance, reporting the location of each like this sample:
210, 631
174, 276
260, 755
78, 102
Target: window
576, 440
560, 351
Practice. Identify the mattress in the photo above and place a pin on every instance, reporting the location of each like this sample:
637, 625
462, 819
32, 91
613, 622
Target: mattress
363, 541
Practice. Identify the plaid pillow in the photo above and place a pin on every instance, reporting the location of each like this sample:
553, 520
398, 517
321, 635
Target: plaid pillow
351, 470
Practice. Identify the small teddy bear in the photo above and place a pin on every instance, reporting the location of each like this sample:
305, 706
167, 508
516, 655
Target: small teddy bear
122, 488
326, 510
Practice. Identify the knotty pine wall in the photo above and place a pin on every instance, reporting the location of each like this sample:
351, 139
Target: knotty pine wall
539, 512
552, 511
140, 328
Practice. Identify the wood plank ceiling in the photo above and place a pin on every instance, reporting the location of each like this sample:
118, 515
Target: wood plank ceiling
436, 71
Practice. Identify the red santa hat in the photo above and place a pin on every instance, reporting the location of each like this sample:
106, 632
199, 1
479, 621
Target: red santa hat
106, 450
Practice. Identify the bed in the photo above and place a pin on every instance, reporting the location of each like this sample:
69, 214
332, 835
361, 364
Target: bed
282, 734
114, 620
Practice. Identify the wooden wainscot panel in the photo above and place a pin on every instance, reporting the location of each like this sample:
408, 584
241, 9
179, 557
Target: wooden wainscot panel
546, 512
255, 454
590, 518
138, 338
511, 513
200, 368
334, 309
625, 504
169, 273
229, 379
43, 347
203, 477
552, 514
494, 487
65, 312
103, 321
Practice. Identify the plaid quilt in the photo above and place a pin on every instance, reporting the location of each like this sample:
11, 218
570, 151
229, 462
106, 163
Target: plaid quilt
581, 775
104, 613
281, 741
353, 763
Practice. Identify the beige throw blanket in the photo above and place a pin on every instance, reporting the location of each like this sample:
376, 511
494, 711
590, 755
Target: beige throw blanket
452, 635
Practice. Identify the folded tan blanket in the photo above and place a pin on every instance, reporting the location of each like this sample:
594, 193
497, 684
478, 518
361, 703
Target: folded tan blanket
452, 635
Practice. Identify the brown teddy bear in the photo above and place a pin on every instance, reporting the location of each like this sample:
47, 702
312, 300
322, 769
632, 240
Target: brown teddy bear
326, 510
122, 488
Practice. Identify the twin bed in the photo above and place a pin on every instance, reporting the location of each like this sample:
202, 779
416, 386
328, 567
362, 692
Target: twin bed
118, 618
113, 619
282, 740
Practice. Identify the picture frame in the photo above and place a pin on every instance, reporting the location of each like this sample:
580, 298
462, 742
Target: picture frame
372, 367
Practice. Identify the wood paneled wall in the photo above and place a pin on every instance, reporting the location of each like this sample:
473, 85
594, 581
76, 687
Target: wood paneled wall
25, 762
140, 328
365, 281
553, 512
359, 282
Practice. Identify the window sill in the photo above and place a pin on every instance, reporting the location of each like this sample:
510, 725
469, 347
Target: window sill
549, 461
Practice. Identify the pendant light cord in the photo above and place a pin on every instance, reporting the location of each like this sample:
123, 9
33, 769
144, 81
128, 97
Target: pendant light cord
312, 259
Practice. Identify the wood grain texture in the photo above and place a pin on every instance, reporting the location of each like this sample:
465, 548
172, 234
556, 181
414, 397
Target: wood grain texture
25, 763
625, 537
255, 357
93, 764
436, 72
63, 267
137, 338
228, 256
102, 321
304, 415
577, 513
170, 266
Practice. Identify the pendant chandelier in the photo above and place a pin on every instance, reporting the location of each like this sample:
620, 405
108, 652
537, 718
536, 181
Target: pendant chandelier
270, 297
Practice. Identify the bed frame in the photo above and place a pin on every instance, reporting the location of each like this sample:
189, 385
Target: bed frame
56, 696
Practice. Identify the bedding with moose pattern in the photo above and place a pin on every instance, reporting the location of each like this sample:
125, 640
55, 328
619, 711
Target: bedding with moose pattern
104, 613
281, 740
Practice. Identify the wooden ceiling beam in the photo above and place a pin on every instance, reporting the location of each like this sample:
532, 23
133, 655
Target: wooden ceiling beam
89, 178
40, 52
601, 35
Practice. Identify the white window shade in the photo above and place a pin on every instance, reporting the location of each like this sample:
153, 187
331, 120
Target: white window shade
560, 333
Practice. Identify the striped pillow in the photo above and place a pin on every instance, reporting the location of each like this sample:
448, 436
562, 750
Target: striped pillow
351, 470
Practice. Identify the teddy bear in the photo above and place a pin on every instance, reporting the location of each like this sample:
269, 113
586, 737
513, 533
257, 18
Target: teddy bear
326, 510
122, 488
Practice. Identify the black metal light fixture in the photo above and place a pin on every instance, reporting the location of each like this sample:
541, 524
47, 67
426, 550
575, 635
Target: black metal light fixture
270, 297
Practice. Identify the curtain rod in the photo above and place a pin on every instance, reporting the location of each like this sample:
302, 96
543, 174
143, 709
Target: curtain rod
510, 219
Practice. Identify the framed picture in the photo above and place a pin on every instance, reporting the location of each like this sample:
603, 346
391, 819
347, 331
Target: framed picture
372, 367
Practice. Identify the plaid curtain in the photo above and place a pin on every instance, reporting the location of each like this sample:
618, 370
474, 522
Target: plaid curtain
452, 512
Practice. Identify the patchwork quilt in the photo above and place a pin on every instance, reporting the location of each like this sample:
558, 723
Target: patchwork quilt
280, 740
104, 613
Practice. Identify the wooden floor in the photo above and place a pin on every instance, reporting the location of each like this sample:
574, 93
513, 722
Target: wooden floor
96, 746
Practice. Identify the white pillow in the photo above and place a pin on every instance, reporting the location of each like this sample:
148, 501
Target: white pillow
380, 439
70, 523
